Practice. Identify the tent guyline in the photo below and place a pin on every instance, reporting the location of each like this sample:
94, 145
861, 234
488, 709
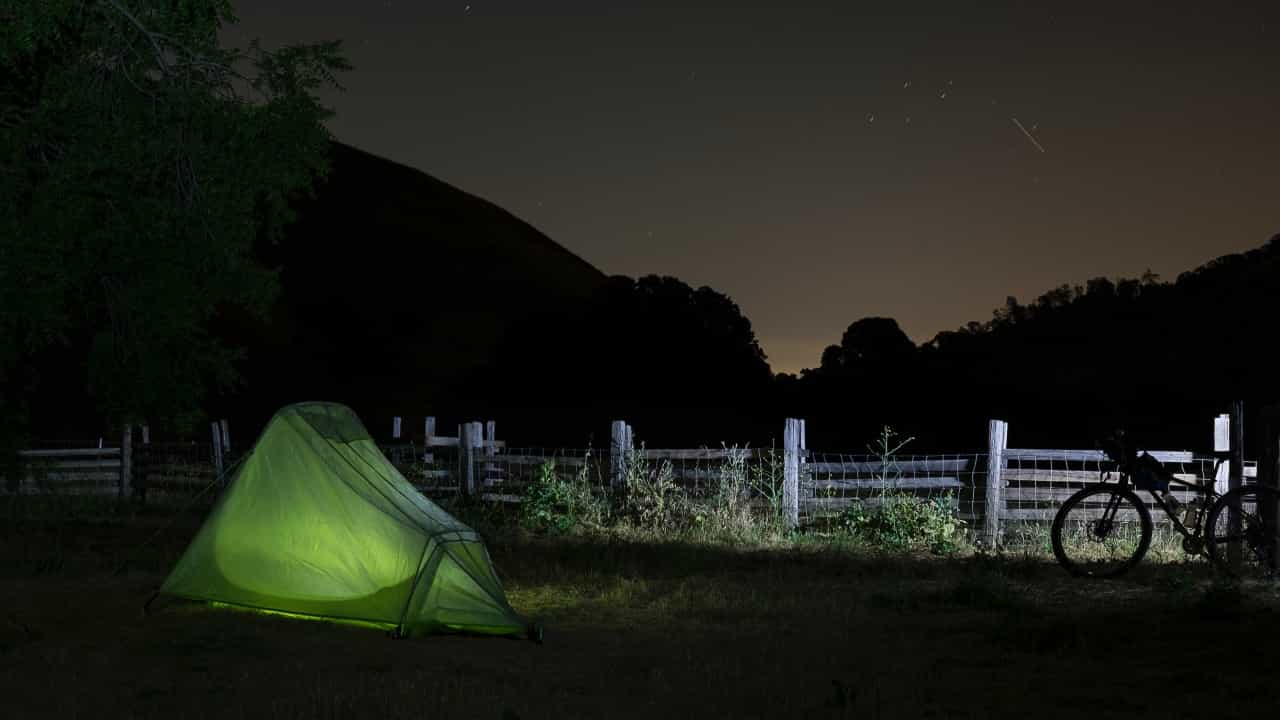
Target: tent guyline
316, 523
181, 511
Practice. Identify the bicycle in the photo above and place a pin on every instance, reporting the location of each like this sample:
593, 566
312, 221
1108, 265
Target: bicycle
1105, 529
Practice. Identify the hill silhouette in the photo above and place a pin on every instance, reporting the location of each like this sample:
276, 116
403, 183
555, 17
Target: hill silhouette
396, 287
402, 295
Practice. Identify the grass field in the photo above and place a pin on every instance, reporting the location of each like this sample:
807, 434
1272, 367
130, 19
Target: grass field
647, 629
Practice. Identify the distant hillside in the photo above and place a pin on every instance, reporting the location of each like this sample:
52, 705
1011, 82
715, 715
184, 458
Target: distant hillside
1160, 358
396, 286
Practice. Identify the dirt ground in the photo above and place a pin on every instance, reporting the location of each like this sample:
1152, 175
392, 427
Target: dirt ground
647, 630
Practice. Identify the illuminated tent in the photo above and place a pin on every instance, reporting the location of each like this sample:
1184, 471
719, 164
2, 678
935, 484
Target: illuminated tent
317, 523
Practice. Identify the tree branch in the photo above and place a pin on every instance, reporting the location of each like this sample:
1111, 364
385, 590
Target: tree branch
151, 37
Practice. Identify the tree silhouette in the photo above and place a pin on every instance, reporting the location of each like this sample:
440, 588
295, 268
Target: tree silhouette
138, 166
873, 343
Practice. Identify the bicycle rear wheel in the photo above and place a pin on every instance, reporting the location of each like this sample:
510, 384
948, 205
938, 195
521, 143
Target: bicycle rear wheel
1101, 531
1239, 537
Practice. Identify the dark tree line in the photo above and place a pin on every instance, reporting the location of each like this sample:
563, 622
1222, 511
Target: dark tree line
1160, 358
682, 364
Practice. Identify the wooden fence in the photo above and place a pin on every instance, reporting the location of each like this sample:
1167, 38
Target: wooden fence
136, 469
988, 490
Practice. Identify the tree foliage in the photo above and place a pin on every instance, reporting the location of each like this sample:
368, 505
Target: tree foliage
140, 161
1156, 357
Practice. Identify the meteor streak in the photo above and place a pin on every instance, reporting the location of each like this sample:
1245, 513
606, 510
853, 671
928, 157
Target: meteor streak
1029, 136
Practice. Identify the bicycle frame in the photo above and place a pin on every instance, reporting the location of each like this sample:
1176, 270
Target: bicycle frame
1206, 490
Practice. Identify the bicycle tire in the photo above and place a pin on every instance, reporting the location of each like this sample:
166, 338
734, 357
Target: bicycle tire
1130, 551
1258, 544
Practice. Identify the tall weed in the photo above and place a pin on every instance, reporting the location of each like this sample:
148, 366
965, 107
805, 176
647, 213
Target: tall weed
653, 499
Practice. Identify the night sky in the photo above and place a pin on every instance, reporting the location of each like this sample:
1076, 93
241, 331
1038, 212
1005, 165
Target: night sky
836, 161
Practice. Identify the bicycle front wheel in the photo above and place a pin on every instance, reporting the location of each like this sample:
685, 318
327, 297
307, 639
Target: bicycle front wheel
1240, 535
1101, 531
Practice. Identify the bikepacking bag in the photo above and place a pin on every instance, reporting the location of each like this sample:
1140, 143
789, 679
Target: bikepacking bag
1149, 474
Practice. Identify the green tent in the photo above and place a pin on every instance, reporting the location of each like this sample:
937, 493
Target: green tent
316, 523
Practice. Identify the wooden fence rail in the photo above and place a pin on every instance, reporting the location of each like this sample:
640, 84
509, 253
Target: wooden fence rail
988, 490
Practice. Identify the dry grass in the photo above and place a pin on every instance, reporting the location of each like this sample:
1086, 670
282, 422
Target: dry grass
646, 629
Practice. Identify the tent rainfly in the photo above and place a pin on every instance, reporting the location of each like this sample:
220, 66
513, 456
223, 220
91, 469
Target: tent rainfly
316, 523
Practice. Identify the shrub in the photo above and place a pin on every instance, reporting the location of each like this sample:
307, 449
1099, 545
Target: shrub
557, 503
900, 521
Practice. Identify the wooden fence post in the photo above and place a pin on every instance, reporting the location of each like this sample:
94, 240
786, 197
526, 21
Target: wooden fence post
791, 473
477, 454
125, 488
217, 452
1221, 444
467, 441
1269, 474
140, 463
619, 448
490, 449
997, 441
1235, 479
226, 440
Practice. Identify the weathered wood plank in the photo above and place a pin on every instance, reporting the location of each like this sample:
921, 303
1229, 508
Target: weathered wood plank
694, 454
72, 478
1059, 493
816, 505
537, 460
442, 441
1047, 514
1026, 454
80, 452
902, 483
66, 466
1076, 477
905, 467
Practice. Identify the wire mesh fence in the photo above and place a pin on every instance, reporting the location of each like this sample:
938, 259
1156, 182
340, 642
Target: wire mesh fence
495, 474
1018, 498
831, 483
175, 473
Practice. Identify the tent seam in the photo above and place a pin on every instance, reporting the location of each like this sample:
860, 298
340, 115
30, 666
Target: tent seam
407, 520
417, 580
388, 480
196, 598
